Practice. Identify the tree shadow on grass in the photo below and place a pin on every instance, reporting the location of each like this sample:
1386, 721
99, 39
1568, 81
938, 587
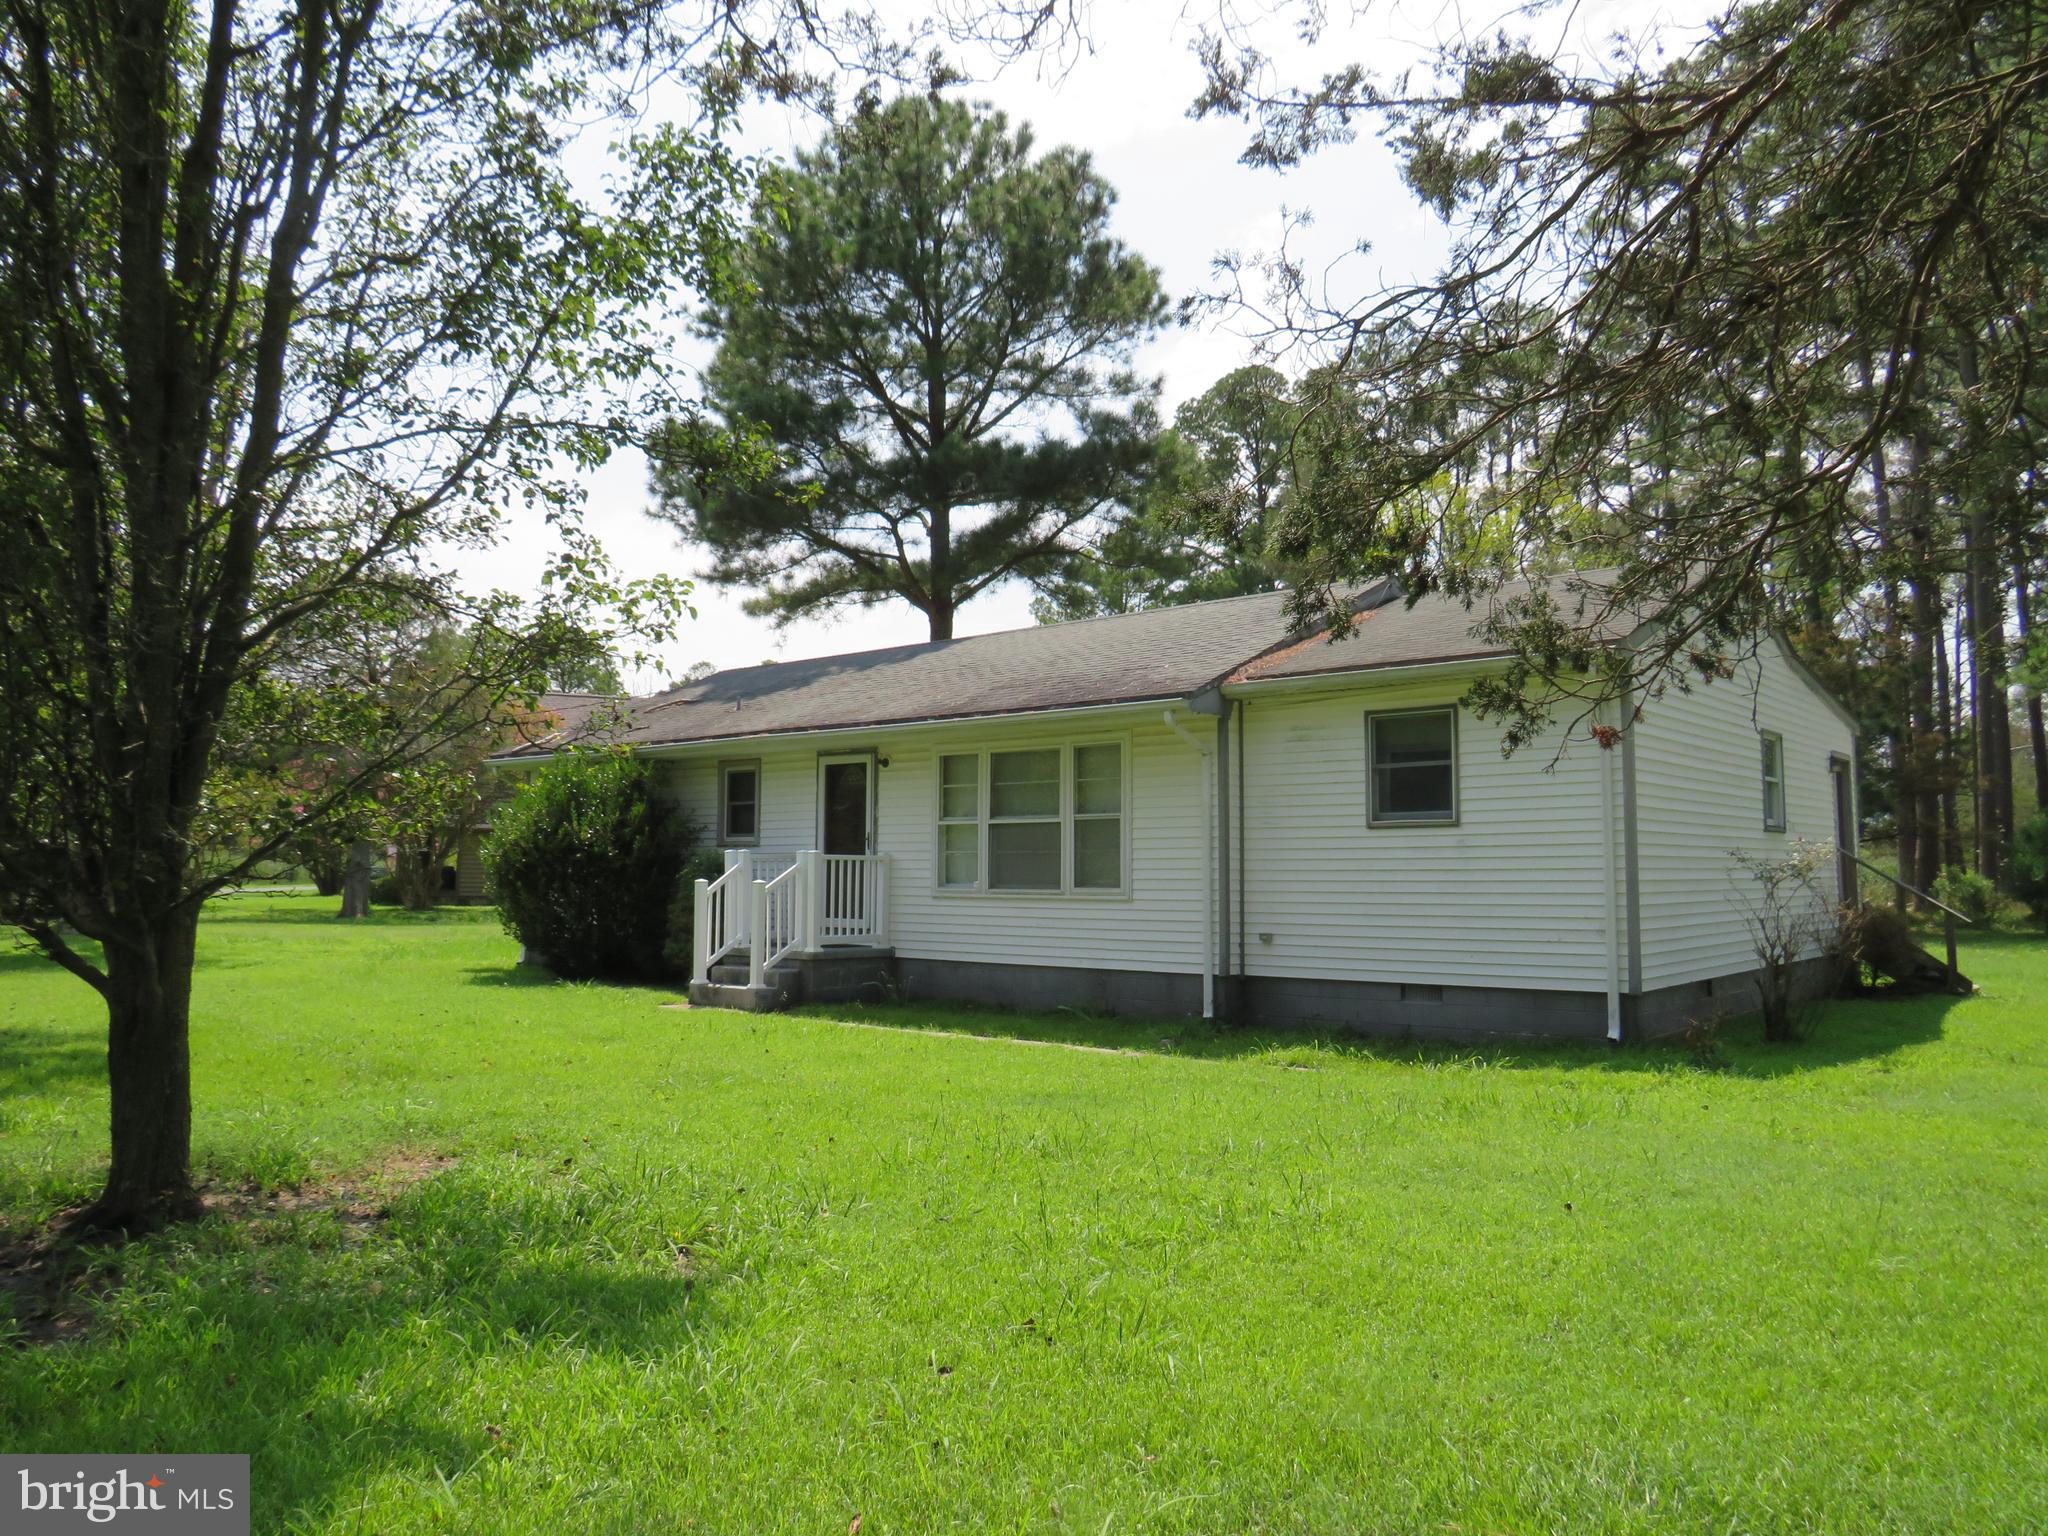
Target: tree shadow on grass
325, 912
45, 1060
342, 1343
19, 957
1849, 1030
521, 977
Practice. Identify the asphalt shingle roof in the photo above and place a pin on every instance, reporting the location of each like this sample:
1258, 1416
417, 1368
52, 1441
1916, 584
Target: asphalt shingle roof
1437, 628
1160, 654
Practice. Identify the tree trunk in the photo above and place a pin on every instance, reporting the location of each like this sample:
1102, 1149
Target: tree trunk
1920, 859
1984, 594
1974, 687
355, 882
941, 610
326, 863
2037, 729
1894, 659
149, 1073
419, 878
1950, 685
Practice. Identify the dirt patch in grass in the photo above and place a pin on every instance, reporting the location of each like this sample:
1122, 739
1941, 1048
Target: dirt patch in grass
51, 1282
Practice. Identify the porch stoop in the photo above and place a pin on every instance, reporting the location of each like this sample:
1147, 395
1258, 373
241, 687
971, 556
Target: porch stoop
842, 974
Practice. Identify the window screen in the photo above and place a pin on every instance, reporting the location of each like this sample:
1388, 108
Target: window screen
740, 807
1414, 766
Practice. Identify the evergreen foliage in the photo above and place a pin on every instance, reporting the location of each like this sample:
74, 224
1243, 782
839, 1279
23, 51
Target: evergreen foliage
584, 862
931, 340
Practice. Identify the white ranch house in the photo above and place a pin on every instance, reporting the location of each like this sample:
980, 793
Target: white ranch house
1191, 811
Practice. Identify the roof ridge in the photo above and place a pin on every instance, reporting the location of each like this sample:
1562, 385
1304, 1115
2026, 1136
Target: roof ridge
666, 695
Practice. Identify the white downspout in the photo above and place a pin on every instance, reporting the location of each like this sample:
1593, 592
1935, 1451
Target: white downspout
1610, 891
1208, 864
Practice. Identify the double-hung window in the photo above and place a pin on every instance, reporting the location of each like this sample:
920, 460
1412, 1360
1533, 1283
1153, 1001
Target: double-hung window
1024, 820
1033, 819
739, 804
1774, 781
1098, 832
960, 820
1413, 760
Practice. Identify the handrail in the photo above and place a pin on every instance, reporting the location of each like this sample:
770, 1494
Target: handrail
816, 901
1949, 919
1914, 890
720, 917
775, 922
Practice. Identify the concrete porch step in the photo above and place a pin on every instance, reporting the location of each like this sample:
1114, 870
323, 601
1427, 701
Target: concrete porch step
778, 994
839, 974
732, 971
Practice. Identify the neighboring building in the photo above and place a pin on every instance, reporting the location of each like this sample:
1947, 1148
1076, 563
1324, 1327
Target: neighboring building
1190, 810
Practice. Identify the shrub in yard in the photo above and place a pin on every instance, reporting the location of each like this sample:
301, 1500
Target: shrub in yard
583, 864
384, 891
1791, 920
1876, 938
708, 864
1969, 893
2030, 865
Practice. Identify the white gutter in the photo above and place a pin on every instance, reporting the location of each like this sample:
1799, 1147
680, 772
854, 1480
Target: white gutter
1610, 893
1344, 679
1208, 863
804, 733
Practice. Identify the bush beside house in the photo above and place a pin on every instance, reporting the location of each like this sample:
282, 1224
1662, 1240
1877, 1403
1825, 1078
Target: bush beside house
704, 864
2030, 866
587, 864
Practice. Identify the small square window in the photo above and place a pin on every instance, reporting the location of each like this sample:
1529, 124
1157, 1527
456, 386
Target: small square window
1414, 777
1774, 781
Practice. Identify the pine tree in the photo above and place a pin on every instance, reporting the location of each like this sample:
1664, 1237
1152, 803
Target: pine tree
933, 348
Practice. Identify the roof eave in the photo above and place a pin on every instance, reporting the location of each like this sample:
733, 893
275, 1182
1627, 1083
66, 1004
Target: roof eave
1338, 677
866, 728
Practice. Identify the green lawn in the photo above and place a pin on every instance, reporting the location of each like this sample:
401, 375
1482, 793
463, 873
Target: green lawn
704, 1271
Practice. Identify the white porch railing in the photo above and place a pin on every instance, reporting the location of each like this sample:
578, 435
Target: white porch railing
796, 903
778, 917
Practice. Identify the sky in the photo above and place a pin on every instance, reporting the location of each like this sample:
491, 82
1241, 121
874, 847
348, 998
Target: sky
1182, 198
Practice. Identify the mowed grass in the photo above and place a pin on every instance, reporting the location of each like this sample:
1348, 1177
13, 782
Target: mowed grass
699, 1271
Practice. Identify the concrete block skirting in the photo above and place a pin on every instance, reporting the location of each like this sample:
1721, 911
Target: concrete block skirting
1382, 1008
1412, 1010
1421, 1011
1665, 1013
1041, 988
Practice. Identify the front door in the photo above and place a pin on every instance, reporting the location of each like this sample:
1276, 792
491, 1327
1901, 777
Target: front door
846, 819
845, 804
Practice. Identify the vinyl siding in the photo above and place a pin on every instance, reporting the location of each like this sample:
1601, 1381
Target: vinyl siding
1155, 927
789, 794
1699, 794
1510, 896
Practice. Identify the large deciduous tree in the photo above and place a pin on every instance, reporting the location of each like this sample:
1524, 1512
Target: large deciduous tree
932, 340
297, 292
